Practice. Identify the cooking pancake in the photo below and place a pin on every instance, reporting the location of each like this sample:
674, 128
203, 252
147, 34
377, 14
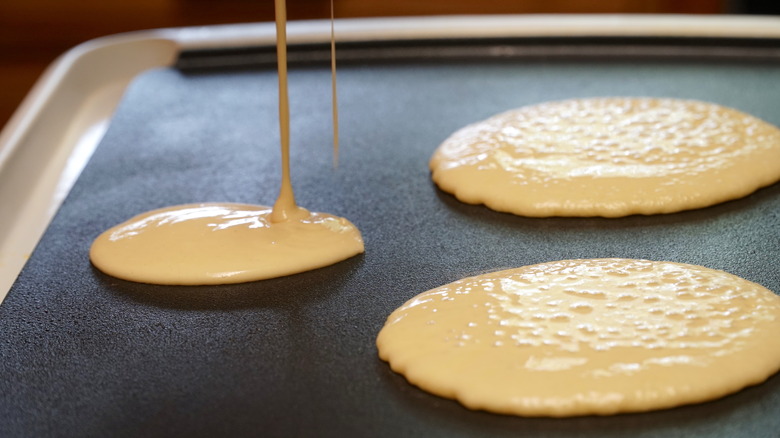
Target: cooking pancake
582, 337
220, 243
609, 157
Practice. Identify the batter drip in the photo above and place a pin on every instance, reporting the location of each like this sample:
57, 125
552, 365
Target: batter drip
225, 242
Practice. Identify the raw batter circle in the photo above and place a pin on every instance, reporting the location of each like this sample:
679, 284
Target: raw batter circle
221, 243
609, 157
581, 337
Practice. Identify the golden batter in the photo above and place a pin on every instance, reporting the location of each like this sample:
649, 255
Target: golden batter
609, 157
221, 243
579, 337
230, 243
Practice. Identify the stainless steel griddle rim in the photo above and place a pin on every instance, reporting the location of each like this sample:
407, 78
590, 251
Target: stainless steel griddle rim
51, 136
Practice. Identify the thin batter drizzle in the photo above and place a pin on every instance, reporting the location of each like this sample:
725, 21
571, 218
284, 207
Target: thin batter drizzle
285, 207
218, 243
334, 92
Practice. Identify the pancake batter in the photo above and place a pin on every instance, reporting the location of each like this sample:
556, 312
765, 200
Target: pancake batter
609, 157
581, 337
230, 243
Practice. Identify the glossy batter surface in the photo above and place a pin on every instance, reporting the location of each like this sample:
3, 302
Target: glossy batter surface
609, 157
221, 243
580, 337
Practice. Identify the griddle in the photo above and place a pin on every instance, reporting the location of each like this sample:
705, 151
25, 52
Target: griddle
84, 354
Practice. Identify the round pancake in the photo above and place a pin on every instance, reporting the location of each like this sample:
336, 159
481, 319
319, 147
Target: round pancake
221, 243
581, 337
609, 157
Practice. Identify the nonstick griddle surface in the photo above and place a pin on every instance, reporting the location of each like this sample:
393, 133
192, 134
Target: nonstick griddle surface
84, 354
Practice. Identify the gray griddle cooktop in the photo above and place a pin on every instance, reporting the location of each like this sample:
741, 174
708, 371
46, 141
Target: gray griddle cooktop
83, 354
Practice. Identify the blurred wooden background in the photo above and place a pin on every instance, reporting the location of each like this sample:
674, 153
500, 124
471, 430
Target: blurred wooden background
34, 32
